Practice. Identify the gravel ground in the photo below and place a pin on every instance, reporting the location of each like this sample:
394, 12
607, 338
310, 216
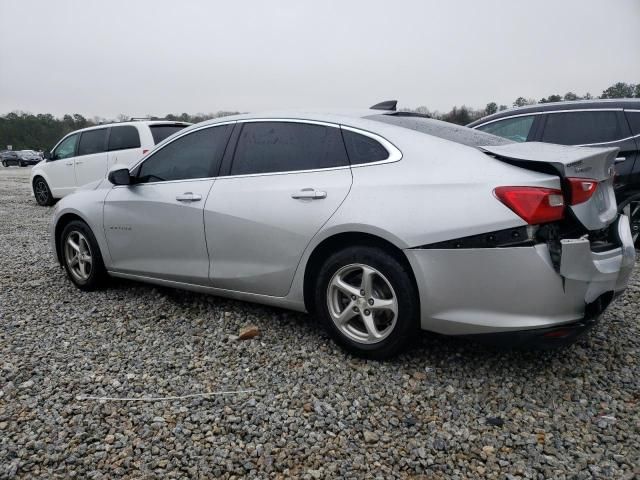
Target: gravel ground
446, 409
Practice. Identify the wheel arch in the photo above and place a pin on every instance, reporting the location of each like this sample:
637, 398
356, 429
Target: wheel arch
62, 222
338, 242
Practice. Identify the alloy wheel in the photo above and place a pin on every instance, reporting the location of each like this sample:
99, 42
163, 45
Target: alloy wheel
42, 192
77, 253
362, 303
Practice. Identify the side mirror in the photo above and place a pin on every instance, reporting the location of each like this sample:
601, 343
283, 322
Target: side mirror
47, 155
119, 175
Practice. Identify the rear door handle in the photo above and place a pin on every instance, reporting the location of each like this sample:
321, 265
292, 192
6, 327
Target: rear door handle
189, 197
309, 194
620, 159
68, 163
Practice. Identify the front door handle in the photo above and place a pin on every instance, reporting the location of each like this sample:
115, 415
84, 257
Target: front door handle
309, 194
189, 197
620, 159
68, 163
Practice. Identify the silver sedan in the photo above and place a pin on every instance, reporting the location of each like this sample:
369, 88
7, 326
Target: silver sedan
378, 222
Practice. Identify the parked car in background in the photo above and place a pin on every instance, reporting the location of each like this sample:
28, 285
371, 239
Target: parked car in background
85, 155
379, 222
9, 157
593, 123
22, 158
29, 157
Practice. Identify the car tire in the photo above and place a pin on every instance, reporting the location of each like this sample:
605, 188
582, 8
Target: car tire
376, 318
81, 256
42, 192
22, 164
4, 164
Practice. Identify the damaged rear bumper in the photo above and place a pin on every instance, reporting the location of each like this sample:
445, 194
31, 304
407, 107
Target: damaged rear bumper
470, 291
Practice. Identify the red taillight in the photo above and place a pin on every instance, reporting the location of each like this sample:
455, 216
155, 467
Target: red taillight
581, 189
533, 204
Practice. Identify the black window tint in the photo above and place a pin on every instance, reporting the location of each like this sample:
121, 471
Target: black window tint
634, 122
362, 149
196, 155
515, 128
160, 132
92, 141
124, 137
578, 128
265, 147
66, 149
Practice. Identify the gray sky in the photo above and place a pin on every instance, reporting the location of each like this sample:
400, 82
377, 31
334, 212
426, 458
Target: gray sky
157, 56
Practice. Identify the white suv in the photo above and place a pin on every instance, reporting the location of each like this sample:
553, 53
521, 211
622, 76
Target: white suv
86, 155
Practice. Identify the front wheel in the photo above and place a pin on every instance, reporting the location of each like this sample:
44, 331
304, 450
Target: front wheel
81, 256
22, 164
5, 164
367, 300
42, 192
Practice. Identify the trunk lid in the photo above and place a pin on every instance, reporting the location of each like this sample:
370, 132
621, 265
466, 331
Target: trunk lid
570, 162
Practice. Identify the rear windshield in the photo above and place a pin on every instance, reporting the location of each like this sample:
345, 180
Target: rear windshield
160, 132
447, 131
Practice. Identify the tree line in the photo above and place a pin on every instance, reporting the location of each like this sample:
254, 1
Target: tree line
463, 115
24, 130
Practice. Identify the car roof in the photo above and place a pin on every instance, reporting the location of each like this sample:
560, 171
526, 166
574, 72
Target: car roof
134, 122
600, 104
372, 120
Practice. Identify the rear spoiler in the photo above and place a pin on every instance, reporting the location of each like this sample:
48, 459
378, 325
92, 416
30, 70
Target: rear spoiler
582, 162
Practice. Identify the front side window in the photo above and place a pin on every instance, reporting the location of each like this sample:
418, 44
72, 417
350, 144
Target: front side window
92, 141
123, 138
579, 128
67, 148
515, 128
267, 147
363, 149
195, 155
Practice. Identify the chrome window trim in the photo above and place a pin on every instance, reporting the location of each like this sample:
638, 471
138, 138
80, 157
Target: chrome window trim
550, 111
569, 111
632, 110
394, 153
610, 141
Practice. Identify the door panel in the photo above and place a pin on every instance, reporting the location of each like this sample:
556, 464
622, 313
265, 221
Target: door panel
60, 169
90, 168
150, 232
256, 231
62, 178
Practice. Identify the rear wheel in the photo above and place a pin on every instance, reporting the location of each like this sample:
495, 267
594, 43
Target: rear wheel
366, 299
22, 164
4, 163
81, 256
42, 192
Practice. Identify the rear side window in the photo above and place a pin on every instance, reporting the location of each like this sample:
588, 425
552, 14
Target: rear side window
579, 128
266, 147
634, 122
363, 149
195, 155
92, 141
124, 137
515, 128
160, 132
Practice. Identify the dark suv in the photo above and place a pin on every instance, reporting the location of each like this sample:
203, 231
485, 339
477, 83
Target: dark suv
593, 123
